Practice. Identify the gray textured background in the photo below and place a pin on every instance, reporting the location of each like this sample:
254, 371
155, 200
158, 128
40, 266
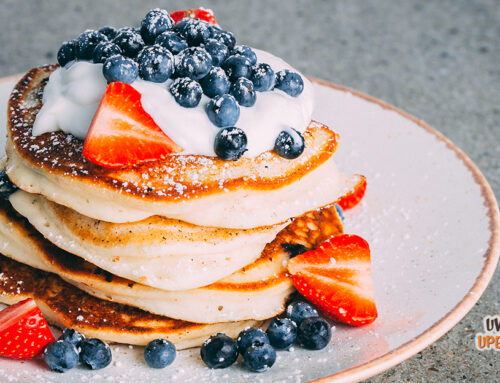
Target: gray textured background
438, 60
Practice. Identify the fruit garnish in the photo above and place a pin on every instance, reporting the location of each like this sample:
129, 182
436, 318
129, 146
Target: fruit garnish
355, 195
122, 133
197, 13
336, 278
24, 332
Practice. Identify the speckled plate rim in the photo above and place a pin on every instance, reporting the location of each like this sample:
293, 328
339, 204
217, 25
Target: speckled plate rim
491, 256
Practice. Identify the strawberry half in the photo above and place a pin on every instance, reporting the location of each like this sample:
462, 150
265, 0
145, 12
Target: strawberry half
198, 13
122, 133
24, 332
336, 277
355, 195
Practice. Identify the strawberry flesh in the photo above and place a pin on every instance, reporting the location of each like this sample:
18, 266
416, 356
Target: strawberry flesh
354, 196
197, 13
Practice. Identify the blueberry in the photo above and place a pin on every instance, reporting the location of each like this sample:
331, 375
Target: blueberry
340, 211
244, 50
237, 66
249, 336
282, 332
119, 68
196, 32
289, 144
194, 62
215, 83
223, 110
129, 41
105, 49
219, 351
6, 186
242, 91
230, 143
289, 82
217, 50
108, 31
172, 41
66, 52
155, 22
186, 92
259, 357
262, 77
180, 27
86, 43
314, 333
156, 63
225, 37
160, 353
60, 356
298, 311
72, 336
95, 354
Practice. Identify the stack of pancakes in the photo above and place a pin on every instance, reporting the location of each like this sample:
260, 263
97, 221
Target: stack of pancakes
181, 248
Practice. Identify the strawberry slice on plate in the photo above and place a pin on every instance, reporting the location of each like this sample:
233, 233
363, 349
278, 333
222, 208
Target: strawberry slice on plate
336, 278
353, 196
122, 133
24, 332
197, 13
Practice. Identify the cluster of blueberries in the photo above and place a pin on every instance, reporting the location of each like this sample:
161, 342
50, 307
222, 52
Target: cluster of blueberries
200, 58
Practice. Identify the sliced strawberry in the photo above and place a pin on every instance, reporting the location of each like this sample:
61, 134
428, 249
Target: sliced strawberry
24, 332
336, 277
355, 195
122, 133
198, 13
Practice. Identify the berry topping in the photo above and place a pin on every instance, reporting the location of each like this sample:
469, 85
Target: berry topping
86, 43
202, 14
196, 32
340, 211
104, 50
354, 196
171, 41
289, 82
119, 68
217, 50
215, 83
66, 52
122, 133
219, 351
242, 91
225, 37
259, 357
160, 353
61, 356
95, 354
72, 336
156, 63
6, 186
230, 143
186, 92
246, 51
298, 311
155, 22
223, 110
130, 42
24, 332
194, 62
237, 66
108, 31
249, 336
282, 332
336, 278
289, 144
314, 333
262, 77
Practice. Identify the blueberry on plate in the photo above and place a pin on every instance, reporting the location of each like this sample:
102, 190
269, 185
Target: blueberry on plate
282, 332
299, 310
6, 186
108, 31
289, 144
289, 82
66, 52
155, 22
119, 68
86, 43
219, 351
249, 336
196, 32
245, 50
215, 83
105, 49
259, 357
160, 353
72, 336
194, 62
186, 92
262, 77
314, 333
60, 356
95, 354
242, 90
130, 42
230, 143
340, 211
217, 50
171, 41
156, 63
237, 66
225, 37
223, 110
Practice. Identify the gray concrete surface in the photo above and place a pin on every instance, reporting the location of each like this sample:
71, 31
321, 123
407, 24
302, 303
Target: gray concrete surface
438, 60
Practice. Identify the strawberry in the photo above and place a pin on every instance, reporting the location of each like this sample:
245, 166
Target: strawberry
198, 13
355, 195
24, 332
122, 133
336, 277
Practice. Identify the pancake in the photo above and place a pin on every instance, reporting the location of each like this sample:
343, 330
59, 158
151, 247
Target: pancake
205, 191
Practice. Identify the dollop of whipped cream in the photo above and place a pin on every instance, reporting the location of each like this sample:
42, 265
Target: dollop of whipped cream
73, 93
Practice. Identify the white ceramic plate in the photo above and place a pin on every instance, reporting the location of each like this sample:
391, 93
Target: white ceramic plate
433, 225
